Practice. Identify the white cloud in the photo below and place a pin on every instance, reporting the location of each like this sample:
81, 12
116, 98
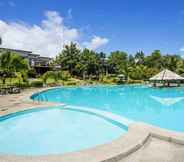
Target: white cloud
182, 49
96, 42
46, 39
181, 52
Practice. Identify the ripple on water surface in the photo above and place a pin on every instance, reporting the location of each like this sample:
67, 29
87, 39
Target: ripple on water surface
160, 107
55, 131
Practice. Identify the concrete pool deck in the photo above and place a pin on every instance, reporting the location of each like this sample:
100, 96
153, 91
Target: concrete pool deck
142, 143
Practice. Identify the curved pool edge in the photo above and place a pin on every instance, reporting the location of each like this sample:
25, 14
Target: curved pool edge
128, 144
122, 120
136, 137
114, 119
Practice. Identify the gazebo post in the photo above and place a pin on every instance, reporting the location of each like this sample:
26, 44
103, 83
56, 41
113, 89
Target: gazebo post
168, 84
166, 78
154, 84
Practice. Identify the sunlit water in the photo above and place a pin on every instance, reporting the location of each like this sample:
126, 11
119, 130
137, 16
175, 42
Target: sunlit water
159, 107
55, 131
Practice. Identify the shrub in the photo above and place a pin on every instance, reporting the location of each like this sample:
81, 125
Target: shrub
36, 83
90, 81
49, 74
52, 84
107, 79
22, 84
65, 75
60, 75
71, 83
31, 73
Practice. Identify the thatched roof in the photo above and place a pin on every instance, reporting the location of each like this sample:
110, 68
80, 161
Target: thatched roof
166, 75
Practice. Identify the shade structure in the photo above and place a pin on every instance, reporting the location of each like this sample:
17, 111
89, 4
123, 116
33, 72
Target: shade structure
166, 75
166, 78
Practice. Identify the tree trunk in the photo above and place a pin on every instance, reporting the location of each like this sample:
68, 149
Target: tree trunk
4, 80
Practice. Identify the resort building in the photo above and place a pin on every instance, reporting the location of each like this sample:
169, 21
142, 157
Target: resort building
166, 78
39, 63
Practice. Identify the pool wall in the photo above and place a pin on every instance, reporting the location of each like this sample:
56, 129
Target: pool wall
114, 119
137, 137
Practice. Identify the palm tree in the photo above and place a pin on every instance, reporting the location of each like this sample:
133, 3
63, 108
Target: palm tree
12, 63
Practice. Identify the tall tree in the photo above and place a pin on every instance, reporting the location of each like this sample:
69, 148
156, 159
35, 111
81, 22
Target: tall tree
89, 63
118, 62
170, 61
155, 60
69, 57
103, 66
139, 57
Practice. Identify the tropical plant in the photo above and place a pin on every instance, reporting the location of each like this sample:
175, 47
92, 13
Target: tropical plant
48, 75
13, 62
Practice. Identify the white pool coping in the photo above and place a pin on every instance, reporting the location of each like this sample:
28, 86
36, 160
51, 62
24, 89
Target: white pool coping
126, 146
118, 118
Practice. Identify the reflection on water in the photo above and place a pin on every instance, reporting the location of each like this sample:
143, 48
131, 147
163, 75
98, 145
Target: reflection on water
167, 101
161, 107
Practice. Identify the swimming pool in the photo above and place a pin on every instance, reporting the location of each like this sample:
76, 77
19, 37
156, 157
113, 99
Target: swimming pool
160, 107
55, 130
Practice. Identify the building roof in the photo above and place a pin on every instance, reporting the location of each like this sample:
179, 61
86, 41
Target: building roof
33, 54
29, 53
16, 50
166, 75
44, 57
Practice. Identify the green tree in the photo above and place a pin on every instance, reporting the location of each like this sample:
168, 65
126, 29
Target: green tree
50, 74
69, 57
140, 58
170, 61
155, 60
89, 63
131, 60
11, 63
180, 67
117, 62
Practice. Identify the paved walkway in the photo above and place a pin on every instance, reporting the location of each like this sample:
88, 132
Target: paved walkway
156, 150
142, 143
17, 102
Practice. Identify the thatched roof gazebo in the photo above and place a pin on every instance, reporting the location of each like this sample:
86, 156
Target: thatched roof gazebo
166, 78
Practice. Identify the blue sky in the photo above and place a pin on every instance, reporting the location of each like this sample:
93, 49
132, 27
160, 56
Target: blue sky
128, 25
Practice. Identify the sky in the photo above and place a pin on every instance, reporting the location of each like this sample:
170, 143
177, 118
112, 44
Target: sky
44, 26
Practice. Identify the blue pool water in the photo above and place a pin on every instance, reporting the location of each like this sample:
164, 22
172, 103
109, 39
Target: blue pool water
160, 107
55, 131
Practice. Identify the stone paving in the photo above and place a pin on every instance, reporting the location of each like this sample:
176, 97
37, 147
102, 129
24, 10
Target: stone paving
17, 102
156, 150
142, 143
